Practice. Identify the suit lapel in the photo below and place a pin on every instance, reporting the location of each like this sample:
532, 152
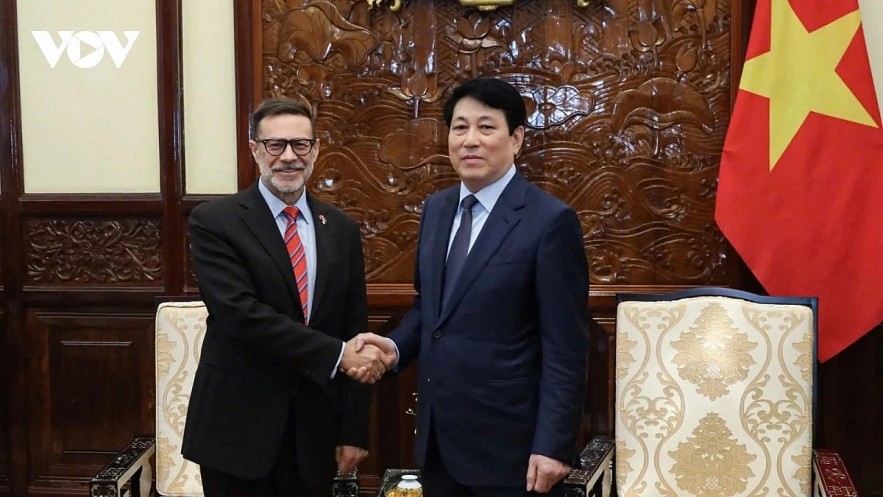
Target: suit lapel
499, 224
259, 221
437, 251
325, 252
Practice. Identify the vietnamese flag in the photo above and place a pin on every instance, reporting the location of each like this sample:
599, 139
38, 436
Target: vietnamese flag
800, 192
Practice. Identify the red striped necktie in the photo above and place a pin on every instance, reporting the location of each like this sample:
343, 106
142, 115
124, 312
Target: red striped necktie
297, 255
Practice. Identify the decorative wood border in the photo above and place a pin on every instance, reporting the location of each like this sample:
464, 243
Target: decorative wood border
10, 187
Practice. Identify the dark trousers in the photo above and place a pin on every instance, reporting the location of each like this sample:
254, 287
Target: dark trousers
438, 482
282, 481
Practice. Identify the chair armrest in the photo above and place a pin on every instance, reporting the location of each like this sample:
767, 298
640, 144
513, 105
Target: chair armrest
116, 475
346, 484
595, 462
831, 477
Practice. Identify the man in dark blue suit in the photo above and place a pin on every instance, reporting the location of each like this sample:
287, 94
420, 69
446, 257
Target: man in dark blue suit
500, 317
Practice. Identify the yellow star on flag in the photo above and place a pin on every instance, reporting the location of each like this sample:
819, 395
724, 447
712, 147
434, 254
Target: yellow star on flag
799, 75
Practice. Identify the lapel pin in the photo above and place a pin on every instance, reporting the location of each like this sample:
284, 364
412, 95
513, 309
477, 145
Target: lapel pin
322, 219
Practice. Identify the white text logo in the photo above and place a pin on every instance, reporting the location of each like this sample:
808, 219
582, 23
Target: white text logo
95, 42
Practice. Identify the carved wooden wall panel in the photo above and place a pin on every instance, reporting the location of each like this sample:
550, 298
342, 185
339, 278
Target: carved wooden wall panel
628, 104
190, 283
93, 252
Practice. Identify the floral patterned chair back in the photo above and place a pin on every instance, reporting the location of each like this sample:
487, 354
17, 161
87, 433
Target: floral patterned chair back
714, 397
180, 329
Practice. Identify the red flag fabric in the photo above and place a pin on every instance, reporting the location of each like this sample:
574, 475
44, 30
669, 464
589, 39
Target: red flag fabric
800, 191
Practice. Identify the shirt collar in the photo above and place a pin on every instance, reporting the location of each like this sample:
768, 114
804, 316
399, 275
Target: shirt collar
276, 205
489, 195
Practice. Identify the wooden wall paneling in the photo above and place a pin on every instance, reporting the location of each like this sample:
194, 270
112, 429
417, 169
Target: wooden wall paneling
6, 359
601, 387
394, 420
182, 261
89, 375
14, 421
190, 285
389, 408
171, 139
79, 276
91, 269
10, 137
851, 400
6, 356
247, 56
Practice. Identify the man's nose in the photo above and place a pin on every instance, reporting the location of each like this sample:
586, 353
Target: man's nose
470, 139
288, 154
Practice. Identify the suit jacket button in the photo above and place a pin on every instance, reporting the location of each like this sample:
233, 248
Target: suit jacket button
436, 334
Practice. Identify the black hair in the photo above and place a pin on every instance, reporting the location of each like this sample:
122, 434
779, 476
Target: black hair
494, 93
278, 106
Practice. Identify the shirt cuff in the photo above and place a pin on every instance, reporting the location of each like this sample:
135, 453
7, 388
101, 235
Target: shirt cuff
395, 366
339, 358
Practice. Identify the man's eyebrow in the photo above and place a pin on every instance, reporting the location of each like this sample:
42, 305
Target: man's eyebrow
484, 117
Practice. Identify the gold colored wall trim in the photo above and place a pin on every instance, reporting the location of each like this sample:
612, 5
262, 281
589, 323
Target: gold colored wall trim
486, 4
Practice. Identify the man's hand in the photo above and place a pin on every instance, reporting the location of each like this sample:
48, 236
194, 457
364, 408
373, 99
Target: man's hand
366, 341
349, 457
367, 362
367, 358
544, 472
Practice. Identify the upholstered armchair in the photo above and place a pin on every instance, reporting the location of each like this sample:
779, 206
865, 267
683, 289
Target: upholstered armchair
715, 397
180, 328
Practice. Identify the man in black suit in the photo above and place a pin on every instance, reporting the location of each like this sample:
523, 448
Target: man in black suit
269, 414
500, 317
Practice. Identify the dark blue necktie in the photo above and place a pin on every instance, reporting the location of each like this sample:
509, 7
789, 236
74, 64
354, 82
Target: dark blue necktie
459, 247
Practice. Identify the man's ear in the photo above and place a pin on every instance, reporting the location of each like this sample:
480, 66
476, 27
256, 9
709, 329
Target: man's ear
517, 140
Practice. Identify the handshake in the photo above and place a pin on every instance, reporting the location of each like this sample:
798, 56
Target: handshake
367, 356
